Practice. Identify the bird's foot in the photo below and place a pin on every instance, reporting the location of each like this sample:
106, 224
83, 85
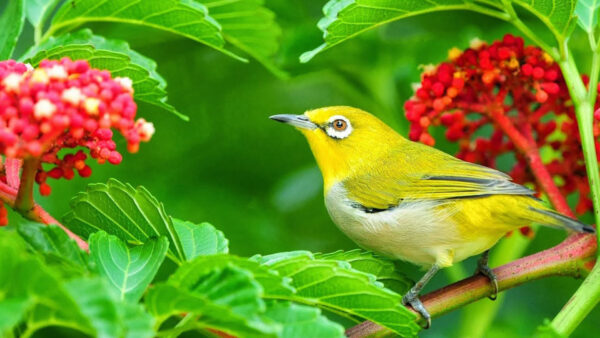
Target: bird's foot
485, 270
412, 298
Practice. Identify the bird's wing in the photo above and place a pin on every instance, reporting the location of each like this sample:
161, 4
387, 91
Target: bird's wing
429, 175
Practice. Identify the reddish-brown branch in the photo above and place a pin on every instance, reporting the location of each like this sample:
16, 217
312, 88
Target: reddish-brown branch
36, 213
573, 257
531, 152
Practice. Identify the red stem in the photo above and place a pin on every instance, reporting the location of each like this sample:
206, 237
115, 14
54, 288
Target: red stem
530, 150
8, 195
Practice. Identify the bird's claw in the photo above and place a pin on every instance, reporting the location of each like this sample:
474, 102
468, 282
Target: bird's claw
485, 270
412, 298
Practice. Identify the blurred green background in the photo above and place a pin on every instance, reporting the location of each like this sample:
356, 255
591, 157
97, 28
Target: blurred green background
256, 179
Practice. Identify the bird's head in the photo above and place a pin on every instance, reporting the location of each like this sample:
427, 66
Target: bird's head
343, 139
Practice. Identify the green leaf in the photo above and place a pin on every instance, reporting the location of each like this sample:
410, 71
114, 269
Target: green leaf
38, 10
383, 269
23, 276
225, 298
556, 14
587, 14
182, 17
133, 215
345, 19
108, 316
129, 271
250, 26
93, 298
271, 282
54, 243
302, 321
112, 55
11, 312
11, 24
335, 286
200, 239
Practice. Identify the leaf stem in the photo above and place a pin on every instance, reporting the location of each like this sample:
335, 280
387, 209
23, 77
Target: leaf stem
573, 257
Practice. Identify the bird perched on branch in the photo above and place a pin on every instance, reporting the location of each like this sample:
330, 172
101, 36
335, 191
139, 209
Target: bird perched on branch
408, 201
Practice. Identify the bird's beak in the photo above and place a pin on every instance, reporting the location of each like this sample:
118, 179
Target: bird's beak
299, 121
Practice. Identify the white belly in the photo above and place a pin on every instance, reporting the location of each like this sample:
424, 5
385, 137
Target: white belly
414, 231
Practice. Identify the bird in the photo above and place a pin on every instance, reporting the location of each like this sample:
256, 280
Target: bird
409, 201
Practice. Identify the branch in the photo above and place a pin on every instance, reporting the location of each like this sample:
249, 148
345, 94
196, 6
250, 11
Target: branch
573, 257
8, 195
24, 200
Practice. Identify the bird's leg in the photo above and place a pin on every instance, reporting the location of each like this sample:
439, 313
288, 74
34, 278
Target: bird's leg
412, 296
484, 269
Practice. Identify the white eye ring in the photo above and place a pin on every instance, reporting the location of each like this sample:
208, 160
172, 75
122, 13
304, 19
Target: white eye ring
335, 133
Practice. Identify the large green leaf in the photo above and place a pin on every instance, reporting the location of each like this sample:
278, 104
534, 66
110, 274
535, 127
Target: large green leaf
129, 271
54, 244
133, 215
248, 25
200, 239
112, 55
302, 321
335, 286
345, 19
225, 298
11, 24
383, 269
587, 14
38, 10
556, 14
182, 17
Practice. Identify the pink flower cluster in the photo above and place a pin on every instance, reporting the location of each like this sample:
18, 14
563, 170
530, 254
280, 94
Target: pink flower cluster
65, 104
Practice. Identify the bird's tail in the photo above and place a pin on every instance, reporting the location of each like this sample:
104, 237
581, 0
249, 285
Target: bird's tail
555, 219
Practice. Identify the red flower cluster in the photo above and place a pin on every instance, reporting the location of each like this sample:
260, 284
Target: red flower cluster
65, 104
518, 90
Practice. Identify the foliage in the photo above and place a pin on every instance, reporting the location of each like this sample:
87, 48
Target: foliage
125, 287
262, 296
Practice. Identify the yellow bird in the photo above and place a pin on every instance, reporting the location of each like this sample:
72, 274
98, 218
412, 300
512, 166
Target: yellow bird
408, 201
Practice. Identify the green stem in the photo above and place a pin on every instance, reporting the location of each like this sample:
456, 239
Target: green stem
588, 294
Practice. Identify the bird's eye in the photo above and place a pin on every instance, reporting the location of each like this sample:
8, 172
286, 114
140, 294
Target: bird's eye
340, 125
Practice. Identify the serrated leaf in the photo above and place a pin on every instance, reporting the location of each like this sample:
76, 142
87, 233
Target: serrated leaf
11, 25
129, 271
335, 286
38, 10
133, 215
250, 26
112, 55
200, 239
587, 14
225, 298
182, 17
302, 321
383, 269
54, 243
344, 19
